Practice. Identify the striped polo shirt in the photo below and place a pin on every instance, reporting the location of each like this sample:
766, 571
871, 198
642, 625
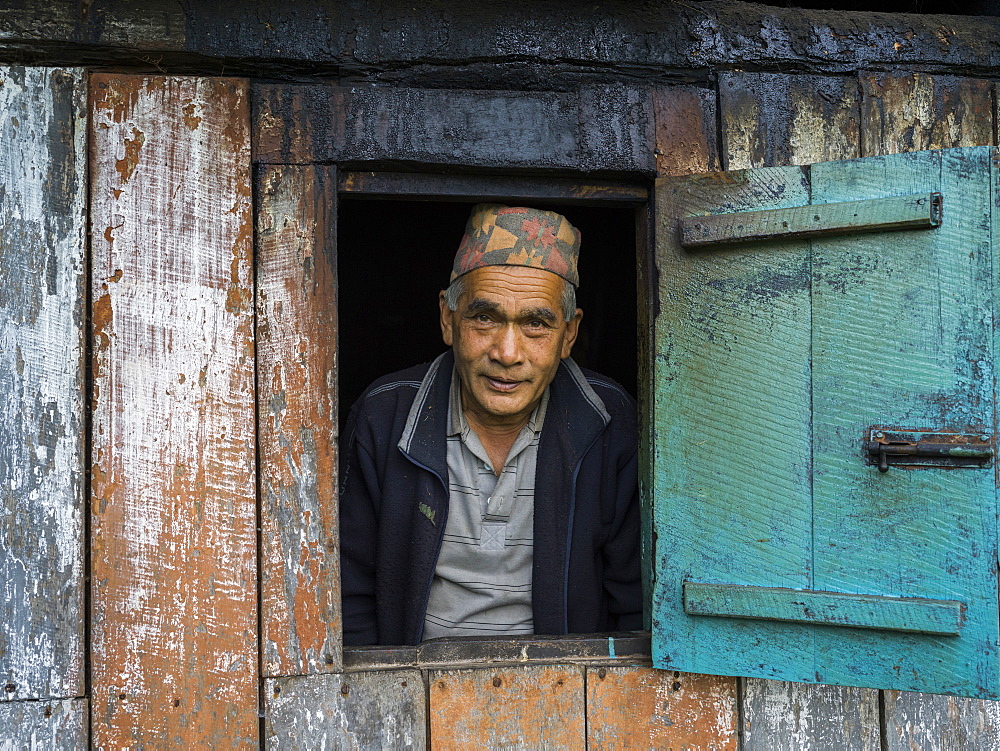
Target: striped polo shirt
482, 584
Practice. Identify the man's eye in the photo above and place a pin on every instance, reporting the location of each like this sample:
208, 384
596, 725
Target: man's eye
536, 324
483, 318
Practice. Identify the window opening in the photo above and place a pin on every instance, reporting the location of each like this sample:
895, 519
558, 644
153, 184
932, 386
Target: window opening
394, 256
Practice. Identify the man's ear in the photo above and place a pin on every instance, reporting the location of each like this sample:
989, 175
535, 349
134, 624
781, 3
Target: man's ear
572, 329
446, 320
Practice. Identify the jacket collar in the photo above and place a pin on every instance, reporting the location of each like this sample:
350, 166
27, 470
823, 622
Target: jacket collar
575, 415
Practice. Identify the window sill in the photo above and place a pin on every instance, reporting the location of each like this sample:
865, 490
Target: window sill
624, 648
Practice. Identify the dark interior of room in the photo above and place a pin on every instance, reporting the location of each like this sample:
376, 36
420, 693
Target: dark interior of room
395, 256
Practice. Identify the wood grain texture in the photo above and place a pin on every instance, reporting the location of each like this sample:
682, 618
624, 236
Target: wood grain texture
629, 707
174, 595
297, 419
511, 708
600, 128
775, 119
384, 710
42, 310
732, 344
916, 111
942, 723
685, 130
783, 715
56, 725
929, 533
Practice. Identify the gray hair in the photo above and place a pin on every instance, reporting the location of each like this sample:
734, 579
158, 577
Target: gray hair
457, 288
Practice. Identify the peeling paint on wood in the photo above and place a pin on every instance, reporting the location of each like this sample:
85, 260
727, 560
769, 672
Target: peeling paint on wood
685, 130
511, 708
809, 718
942, 723
599, 128
915, 111
174, 595
42, 244
297, 418
630, 707
776, 119
55, 725
358, 711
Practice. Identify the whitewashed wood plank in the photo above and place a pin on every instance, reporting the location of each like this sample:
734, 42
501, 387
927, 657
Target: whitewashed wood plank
376, 710
42, 244
173, 508
940, 723
60, 724
782, 715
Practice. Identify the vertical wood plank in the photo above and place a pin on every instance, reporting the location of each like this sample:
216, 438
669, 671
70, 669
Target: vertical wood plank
776, 119
685, 130
174, 590
297, 418
377, 710
53, 725
917, 111
943, 723
777, 714
518, 708
630, 707
42, 245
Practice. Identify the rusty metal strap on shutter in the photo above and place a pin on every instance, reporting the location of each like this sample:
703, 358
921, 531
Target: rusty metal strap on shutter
920, 211
909, 614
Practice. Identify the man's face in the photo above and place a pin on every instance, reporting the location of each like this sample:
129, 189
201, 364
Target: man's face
508, 335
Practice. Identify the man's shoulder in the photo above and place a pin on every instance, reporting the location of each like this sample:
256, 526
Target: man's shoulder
403, 384
612, 393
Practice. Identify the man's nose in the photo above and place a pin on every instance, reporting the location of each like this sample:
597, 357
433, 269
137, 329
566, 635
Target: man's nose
507, 347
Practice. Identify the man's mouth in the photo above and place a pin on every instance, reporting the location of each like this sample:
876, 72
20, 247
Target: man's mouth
502, 384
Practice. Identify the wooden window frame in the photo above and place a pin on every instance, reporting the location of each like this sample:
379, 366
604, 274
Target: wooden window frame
631, 648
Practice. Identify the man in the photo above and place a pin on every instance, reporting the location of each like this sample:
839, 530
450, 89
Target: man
493, 491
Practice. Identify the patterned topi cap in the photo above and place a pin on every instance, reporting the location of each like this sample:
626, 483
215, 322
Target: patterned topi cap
497, 235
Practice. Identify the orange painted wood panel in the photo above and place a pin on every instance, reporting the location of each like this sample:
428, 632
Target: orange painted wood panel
173, 512
297, 418
516, 708
904, 112
635, 707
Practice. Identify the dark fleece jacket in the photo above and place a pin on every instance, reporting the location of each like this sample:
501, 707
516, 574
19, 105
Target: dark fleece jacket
394, 507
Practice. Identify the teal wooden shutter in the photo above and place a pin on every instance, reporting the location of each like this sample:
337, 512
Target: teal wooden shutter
803, 319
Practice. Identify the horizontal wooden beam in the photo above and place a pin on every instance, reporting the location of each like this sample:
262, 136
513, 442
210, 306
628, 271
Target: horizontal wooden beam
632, 648
597, 129
910, 614
921, 211
435, 187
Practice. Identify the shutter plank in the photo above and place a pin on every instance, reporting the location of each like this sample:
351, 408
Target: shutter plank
173, 509
634, 707
904, 112
926, 531
772, 119
732, 338
777, 714
42, 244
685, 130
520, 707
60, 724
376, 710
297, 418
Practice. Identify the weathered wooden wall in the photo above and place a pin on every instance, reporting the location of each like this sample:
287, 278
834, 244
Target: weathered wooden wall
43, 225
624, 90
173, 484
